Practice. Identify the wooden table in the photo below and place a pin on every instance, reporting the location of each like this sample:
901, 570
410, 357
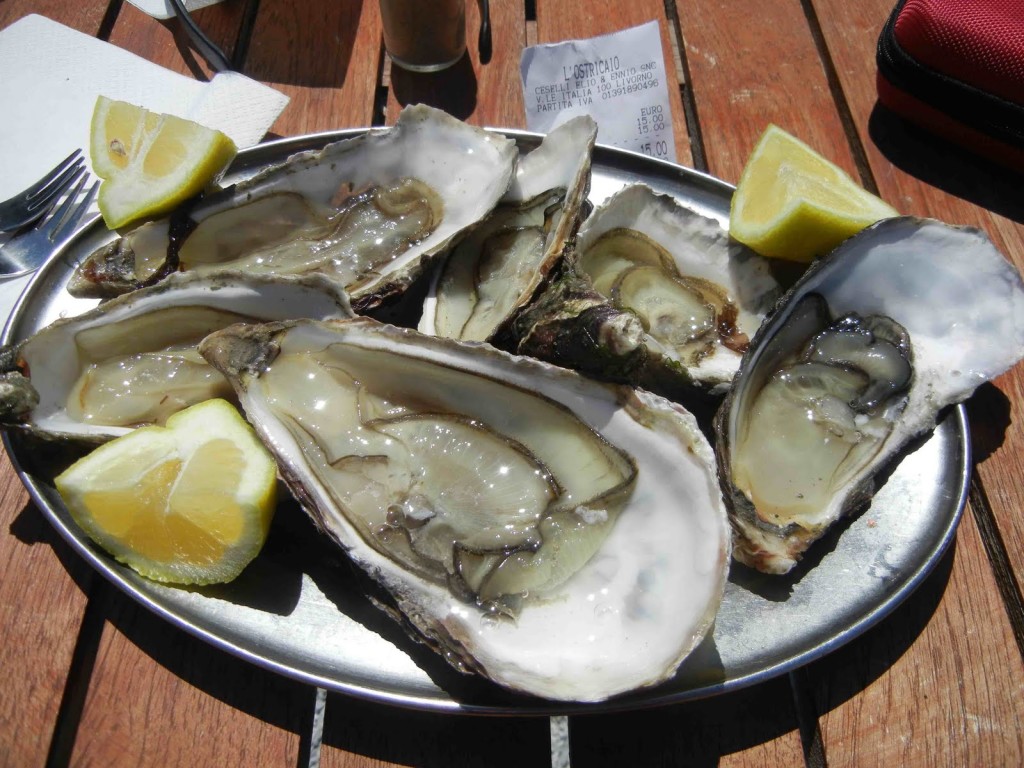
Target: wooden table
90, 678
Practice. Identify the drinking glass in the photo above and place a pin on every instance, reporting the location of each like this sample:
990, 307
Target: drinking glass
424, 35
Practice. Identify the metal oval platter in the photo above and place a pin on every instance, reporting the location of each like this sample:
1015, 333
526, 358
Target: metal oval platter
300, 610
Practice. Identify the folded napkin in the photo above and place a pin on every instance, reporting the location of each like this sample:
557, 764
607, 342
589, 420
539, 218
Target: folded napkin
162, 9
51, 77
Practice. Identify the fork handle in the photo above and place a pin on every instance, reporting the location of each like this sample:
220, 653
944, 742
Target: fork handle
206, 47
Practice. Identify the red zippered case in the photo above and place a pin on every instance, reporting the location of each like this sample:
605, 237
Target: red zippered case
956, 68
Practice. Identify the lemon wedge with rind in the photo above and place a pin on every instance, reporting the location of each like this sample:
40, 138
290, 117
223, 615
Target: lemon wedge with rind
188, 503
150, 162
792, 203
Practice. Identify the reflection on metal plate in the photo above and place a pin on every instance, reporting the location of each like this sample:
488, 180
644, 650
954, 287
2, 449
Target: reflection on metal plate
299, 608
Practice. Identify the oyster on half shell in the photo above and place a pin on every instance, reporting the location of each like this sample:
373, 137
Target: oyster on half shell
133, 360
369, 212
662, 295
558, 536
497, 269
860, 357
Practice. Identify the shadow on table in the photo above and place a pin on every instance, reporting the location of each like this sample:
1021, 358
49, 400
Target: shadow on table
405, 737
309, 43
947, 166
31, 527
453, 89
697, 733
988, 415
267, 696
703, 732
222, 23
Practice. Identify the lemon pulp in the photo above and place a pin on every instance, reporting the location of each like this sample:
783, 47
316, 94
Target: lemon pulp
189, 503
151, 162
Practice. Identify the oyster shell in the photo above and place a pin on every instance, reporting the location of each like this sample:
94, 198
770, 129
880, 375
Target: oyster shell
671, 298
368, 212
133, 360
558, 536
497, 269
860, 357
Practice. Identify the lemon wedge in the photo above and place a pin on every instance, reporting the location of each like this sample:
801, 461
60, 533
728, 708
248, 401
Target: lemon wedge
189, 503
150, 162
792, 203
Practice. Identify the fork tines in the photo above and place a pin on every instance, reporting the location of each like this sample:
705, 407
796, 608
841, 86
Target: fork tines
56, 181
71, 210
34, 202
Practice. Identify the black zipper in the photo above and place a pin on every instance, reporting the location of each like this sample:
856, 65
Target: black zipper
985, 112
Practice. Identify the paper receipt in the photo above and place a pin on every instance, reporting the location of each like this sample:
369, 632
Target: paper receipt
617, 79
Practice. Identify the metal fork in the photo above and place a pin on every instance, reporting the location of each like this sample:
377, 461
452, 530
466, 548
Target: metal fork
27, 251
32, 204
208, 49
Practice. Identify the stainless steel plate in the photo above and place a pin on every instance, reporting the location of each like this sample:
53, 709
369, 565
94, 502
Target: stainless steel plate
299, 609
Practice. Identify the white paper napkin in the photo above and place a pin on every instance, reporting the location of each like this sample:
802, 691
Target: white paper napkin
161, 9
51, 77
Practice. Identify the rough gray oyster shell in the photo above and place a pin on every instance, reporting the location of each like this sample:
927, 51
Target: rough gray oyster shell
652, 294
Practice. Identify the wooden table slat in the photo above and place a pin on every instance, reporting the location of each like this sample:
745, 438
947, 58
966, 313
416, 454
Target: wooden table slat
41, 609
751, 64
325, 56
935, 683
159, 696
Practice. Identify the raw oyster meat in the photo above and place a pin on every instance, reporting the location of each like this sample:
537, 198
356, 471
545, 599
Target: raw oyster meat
561, 537
666, 298
133, 360
860, 357
497, 269
369, 212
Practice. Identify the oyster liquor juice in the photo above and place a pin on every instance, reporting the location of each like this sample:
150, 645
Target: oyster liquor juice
832, 405
132, 360
495, 507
